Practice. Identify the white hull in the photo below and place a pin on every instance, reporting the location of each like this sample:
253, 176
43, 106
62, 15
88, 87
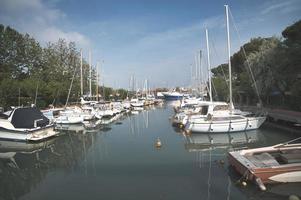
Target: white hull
69, 120
204, 126
139, 104
88, 117
288, 177
105, 113
36, 135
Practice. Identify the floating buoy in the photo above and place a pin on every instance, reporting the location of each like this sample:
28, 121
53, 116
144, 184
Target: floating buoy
181, 125
158, 143
244, 183
260, 184
222, 162
293, 197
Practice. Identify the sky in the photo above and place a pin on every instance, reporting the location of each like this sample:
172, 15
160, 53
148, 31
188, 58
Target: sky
150, 39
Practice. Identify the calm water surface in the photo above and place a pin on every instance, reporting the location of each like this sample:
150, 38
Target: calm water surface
121, 162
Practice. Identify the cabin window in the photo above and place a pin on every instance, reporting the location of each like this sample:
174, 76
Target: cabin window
204, 110
221, 107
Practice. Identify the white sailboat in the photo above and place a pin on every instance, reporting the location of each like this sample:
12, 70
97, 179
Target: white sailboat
224, 118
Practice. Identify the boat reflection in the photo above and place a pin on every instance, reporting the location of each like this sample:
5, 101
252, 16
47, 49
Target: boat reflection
23, 166
203, 142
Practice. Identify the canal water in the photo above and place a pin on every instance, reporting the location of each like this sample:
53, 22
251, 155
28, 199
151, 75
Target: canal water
120, 161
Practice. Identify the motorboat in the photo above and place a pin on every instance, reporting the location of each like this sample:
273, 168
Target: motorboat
137, 102
88, 113
172, 95
69, 116
280, 163
25, 124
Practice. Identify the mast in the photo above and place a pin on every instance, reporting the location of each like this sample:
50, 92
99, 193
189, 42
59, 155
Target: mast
90, 80
191, 75
97, 79
229, 56
200, 70
209, 65
81, 73
196, 69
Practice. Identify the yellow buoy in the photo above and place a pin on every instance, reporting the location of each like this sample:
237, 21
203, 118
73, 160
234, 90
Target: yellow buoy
158, 143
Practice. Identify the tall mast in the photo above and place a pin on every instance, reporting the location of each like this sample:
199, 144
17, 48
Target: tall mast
196, 69
191, 75
97, 80
200, 70
81, 73
209, 65
90, 65
229, 56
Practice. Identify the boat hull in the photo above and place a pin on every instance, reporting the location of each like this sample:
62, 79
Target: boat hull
31, 135
203, 126
277, 174
69, 120
171, 98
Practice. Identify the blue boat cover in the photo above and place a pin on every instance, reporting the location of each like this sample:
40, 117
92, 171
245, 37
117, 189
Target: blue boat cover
25, 117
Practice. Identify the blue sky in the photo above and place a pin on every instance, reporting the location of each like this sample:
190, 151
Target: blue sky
153, 39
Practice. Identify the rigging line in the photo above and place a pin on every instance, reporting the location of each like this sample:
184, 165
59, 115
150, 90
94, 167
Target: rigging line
70, 87
218, 57
248, 63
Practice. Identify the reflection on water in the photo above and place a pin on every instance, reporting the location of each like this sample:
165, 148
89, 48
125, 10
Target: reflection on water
227, 141
119, 161
23, 166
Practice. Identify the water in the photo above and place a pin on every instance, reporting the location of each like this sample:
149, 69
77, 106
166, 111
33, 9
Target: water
121, 162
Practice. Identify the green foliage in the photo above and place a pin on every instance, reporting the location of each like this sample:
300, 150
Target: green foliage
276, 66
27, 67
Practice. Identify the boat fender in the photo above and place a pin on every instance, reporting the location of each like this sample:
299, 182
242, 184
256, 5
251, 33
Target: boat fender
244, 183
293, 197
260, 184
209, 117
188, 132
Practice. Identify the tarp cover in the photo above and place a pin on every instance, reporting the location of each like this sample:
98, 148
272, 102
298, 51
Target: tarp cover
25, 117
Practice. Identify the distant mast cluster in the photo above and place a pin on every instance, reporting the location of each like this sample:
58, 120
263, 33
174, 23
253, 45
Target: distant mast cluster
90, 94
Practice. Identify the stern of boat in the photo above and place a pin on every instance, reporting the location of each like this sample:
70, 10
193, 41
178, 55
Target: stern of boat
42, 134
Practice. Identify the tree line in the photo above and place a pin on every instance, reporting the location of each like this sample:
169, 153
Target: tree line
30, 73
274, 63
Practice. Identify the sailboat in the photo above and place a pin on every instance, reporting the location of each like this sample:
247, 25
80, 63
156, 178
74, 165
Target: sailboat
224, 118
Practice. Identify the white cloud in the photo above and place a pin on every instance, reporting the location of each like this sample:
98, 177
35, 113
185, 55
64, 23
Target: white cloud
53, 33
39, 20
282, 6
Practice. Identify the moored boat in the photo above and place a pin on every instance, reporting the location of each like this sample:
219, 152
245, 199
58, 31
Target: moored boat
172, 95
25, 124
280, 163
